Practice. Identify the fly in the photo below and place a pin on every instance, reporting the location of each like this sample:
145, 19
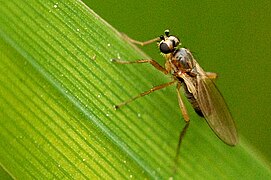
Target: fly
198, 86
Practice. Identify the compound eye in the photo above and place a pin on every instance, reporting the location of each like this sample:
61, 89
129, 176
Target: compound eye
164, 48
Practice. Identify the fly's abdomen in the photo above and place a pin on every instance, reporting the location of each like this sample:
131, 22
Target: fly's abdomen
192, 100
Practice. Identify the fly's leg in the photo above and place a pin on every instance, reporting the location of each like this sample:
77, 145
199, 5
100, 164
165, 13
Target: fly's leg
139, 42
181, 104
211, 75
193, 72
187, 121
152, 62
145, 93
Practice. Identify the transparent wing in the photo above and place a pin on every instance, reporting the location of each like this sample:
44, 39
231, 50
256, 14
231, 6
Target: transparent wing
215, 109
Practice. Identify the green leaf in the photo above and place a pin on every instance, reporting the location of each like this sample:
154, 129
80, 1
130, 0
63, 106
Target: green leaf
58, 88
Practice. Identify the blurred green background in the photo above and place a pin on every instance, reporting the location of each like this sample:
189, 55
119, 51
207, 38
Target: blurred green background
230, 38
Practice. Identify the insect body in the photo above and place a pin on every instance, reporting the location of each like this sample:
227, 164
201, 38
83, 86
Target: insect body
198, 86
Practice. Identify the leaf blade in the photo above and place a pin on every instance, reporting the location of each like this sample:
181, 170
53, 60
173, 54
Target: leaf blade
66, 104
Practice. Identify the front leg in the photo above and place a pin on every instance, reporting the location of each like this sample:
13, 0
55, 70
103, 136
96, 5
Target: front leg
139, 42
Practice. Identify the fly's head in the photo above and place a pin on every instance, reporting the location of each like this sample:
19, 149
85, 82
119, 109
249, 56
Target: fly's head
168, 43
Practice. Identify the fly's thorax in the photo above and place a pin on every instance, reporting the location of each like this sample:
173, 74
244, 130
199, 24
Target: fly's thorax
183, 58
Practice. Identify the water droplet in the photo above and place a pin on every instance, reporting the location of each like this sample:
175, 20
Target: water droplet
158, 169
94, 57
